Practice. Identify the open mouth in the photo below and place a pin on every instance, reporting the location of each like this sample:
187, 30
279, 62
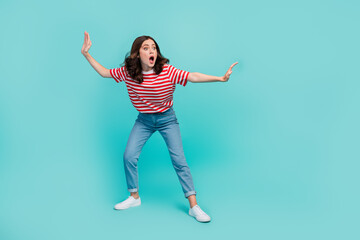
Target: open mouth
152, 59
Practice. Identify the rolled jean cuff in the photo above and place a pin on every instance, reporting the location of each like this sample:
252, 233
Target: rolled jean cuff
190, 193
133, 190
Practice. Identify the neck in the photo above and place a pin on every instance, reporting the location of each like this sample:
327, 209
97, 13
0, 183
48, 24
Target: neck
146, 68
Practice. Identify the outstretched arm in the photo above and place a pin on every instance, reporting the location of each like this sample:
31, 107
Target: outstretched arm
200, 77
97, 66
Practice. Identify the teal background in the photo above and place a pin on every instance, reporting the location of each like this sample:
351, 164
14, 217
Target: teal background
273, 151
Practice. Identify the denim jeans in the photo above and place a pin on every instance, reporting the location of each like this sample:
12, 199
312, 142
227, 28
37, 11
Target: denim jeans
145, 125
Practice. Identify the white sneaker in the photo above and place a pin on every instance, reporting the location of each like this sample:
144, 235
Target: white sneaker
129, 202
199, 214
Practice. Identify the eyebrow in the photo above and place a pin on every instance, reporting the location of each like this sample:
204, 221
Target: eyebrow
148, 45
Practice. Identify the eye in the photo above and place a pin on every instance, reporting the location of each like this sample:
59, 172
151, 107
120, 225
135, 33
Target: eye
145, 48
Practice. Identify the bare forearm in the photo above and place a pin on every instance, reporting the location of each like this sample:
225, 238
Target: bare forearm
197, 77
200, 77
97, 66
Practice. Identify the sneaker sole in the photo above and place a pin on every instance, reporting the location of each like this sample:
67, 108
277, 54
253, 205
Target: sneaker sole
204, 221
135, 205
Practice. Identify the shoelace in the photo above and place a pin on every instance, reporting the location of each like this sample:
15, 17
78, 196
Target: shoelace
198, 210
128, 199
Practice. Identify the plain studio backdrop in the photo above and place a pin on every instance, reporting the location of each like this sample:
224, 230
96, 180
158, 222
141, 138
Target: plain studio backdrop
273, 151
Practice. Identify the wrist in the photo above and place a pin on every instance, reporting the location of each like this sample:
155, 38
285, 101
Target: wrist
86, 54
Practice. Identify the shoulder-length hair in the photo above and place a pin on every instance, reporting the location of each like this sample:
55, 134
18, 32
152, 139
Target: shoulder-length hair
133, 63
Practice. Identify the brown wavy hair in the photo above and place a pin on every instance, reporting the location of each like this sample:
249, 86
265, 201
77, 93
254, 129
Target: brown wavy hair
133, 63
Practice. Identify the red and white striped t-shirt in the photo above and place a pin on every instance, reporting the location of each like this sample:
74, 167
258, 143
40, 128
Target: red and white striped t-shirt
155, 93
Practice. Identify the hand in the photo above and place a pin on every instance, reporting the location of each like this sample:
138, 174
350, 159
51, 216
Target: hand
87, 44
226, 77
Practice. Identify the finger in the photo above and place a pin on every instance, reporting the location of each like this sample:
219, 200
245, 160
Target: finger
233, 65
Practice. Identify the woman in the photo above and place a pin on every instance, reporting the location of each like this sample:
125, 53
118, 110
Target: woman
151, 81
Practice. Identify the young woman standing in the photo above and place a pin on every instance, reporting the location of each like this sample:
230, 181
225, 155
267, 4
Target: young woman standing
150, 82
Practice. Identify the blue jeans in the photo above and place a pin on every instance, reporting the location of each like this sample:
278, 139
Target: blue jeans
145, 125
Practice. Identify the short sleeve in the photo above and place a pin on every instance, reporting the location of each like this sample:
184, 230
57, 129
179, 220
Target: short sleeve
118, 74
178, 76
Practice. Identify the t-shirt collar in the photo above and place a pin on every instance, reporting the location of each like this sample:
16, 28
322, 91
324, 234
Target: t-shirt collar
147, 72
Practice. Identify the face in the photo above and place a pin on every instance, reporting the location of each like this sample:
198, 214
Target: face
148, 54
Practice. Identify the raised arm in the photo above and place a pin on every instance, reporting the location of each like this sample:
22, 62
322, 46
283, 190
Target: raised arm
200, 77
97, 66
